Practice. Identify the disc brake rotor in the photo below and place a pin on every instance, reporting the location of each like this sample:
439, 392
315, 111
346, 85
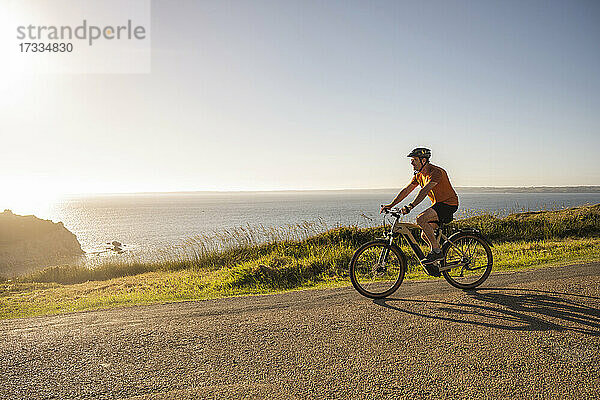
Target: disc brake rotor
379, 269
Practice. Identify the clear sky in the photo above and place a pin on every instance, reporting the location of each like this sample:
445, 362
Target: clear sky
255, 95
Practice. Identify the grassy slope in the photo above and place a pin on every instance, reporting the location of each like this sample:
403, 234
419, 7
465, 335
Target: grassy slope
521, 240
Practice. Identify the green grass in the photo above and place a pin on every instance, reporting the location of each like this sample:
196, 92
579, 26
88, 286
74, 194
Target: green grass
303, 260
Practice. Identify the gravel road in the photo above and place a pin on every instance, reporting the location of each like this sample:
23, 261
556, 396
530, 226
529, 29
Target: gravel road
528, 334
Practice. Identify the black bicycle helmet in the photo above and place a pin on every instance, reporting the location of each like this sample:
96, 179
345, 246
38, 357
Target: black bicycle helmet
420, 152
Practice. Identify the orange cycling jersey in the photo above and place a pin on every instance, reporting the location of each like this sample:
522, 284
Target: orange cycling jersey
443, 192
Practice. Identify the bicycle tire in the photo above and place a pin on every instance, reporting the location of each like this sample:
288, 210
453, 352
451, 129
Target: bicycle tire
474, 242
365, 255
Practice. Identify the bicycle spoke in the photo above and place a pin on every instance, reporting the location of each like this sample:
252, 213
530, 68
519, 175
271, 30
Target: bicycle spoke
460, 250
474, 249
471, 248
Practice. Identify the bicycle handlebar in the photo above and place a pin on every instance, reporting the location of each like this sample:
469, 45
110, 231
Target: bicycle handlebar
395, 211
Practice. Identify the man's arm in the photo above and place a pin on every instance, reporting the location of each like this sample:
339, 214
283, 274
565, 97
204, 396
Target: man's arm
401, 196
423, 193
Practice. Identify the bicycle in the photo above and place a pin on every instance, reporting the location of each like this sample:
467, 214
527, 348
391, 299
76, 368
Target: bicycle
377, 268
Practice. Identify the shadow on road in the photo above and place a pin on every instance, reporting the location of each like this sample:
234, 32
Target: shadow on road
509, 309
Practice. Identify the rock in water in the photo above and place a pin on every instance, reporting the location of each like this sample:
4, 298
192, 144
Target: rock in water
28, 243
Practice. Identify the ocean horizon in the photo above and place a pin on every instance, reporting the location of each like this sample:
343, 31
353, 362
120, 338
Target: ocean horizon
464, 189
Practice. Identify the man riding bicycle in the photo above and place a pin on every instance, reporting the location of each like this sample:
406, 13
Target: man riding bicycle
434, 183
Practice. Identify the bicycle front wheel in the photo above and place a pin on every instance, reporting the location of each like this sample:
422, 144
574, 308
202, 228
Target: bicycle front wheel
377, 269
467, 261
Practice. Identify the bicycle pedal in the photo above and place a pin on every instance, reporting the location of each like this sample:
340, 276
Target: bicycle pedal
430, 270
445, 268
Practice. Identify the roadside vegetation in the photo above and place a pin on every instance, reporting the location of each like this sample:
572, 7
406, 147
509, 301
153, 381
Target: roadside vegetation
254, 261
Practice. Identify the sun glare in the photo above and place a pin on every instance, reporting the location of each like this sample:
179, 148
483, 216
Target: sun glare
29, 199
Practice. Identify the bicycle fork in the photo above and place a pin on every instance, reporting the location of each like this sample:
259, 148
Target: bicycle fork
383, 256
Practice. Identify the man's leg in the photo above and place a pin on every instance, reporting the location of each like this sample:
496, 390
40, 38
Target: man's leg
425, 238
423, 220
434, 226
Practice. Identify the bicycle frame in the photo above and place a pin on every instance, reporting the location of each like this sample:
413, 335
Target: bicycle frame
403, 229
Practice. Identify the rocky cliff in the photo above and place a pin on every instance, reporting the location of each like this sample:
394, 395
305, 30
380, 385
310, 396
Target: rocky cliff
28, 243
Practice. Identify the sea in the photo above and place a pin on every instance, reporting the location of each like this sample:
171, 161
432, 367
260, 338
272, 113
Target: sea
149, 221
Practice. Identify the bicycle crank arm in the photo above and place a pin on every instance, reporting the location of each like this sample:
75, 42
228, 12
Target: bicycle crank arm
448, 267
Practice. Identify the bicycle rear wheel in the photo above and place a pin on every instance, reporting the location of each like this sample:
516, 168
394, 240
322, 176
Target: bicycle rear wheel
467, 263
377, 269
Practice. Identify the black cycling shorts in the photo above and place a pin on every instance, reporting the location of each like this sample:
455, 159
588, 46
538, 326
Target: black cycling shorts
444, 212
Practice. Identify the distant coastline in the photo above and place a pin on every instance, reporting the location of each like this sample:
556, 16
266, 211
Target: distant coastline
460, 189
532, 189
